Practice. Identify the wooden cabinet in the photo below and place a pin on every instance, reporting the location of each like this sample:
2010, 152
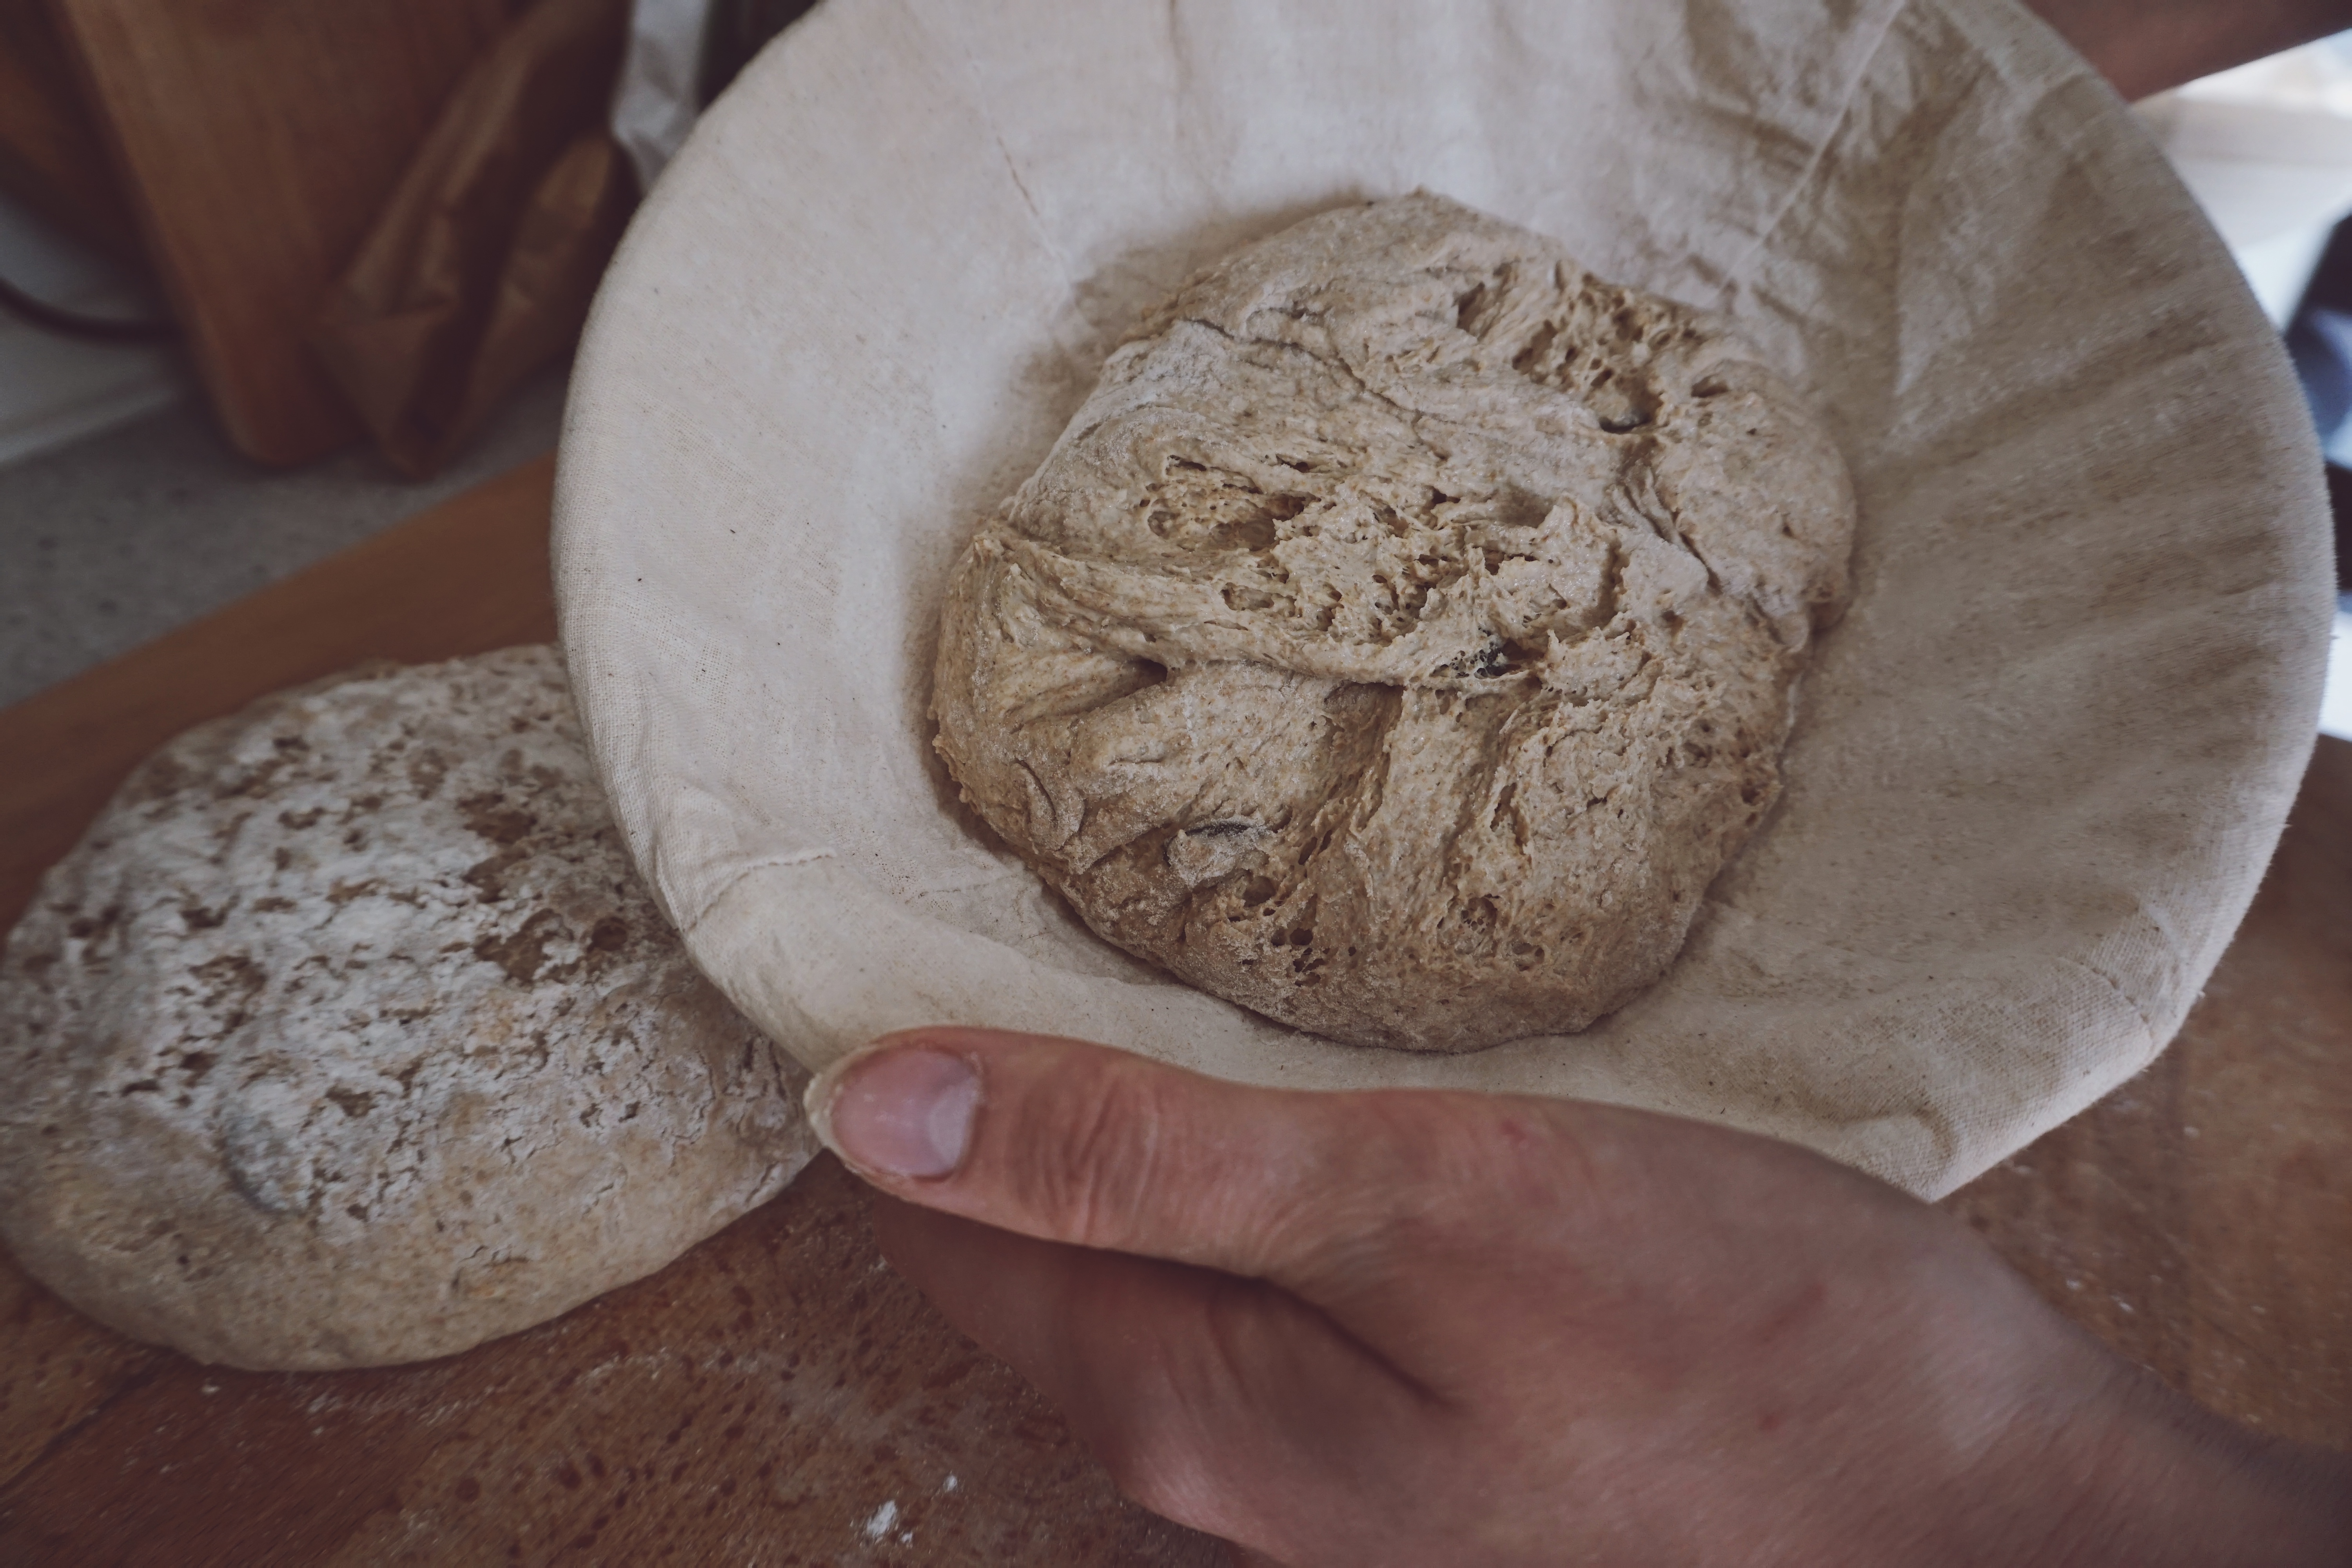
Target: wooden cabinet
253, 142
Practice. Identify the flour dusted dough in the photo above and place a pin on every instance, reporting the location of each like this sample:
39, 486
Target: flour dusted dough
1403, 634
348, 1035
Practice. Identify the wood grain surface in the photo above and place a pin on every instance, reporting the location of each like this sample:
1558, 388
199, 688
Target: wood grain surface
778, 1396
2199, 1218
257, 140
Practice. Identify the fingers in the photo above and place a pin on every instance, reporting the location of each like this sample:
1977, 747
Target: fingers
1197, 1390
1072, 1142
1121, 1233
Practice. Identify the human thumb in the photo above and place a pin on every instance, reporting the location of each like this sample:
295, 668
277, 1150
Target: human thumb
1073, 1143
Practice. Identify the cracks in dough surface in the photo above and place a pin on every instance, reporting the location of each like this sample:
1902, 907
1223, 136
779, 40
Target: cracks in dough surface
1404, 633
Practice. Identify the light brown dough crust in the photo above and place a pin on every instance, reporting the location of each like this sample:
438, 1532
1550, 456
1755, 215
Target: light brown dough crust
349, 1036
1404, 633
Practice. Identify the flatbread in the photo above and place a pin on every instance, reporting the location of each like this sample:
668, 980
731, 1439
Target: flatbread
348, 1035
1404, 634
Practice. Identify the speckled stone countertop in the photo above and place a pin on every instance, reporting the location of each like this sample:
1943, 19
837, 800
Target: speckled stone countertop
119, 538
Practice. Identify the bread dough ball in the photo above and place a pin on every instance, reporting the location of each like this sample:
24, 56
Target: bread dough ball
1404, 633
348, 1035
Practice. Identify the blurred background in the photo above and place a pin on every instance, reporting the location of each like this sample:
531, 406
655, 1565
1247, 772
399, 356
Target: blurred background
275, 276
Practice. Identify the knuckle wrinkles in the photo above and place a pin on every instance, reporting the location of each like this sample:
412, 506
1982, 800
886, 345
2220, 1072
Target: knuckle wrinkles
1095, 1164
1454, 1167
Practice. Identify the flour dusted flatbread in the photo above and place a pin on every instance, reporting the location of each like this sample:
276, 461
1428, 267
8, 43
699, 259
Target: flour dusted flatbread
348, 1035
1403, 634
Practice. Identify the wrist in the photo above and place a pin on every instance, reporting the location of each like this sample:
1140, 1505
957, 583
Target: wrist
2141, 1476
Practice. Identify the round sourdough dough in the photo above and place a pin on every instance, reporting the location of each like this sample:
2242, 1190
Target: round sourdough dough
348, 1037
1403, 634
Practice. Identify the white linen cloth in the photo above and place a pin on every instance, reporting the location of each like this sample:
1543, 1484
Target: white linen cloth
2038, 767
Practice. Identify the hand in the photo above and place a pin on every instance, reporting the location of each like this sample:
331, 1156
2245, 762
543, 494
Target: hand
2146, 46
1419, 1328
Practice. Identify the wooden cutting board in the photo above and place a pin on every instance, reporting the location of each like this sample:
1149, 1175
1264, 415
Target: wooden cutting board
778, 1396
2199, 1218
257, 140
